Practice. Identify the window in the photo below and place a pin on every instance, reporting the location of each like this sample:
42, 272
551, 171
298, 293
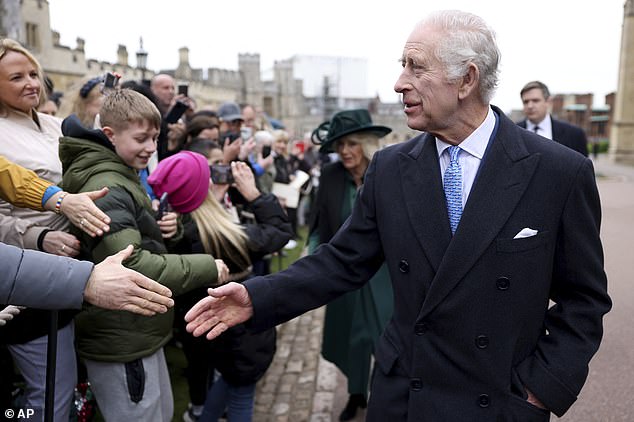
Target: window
32, 36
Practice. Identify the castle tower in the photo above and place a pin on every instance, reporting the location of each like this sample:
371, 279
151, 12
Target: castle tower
249, 68
184, 70
122, 55
622, 132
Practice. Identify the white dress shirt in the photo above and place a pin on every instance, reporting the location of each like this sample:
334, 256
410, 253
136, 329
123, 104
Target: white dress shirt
545, 127
473, 148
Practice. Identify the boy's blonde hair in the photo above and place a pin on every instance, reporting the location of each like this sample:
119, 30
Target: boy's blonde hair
7, 45
125, 106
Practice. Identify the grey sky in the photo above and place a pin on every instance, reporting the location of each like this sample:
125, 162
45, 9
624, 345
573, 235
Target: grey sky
571, 45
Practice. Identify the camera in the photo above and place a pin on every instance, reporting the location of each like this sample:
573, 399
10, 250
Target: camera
221, 174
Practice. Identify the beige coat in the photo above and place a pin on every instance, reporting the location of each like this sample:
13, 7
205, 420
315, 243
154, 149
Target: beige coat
31, 143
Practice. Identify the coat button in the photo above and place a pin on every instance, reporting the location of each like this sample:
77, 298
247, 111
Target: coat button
484, 400
403, 266
503, 283
420, 328
482, 342
416, 384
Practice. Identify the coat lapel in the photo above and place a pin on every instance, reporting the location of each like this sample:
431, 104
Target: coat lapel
504, 175
557, 129
424, 198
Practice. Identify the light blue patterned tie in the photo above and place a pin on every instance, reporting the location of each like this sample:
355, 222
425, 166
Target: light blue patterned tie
453, 188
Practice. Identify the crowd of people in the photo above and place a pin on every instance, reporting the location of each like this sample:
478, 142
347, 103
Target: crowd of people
194, 191
436, 257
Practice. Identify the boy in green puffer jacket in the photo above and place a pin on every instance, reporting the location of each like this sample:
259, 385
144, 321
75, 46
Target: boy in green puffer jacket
123, 352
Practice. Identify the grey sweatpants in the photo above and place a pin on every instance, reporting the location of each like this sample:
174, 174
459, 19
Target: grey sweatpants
110, 385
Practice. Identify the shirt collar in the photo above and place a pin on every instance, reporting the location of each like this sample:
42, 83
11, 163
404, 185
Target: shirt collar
476, 143
544, 125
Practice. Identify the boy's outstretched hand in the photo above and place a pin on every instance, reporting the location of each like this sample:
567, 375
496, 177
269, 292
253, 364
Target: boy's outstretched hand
225, 307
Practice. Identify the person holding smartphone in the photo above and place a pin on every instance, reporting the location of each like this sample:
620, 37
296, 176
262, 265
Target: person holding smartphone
241, 357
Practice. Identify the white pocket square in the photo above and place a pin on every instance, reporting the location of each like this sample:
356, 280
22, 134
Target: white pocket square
525, 232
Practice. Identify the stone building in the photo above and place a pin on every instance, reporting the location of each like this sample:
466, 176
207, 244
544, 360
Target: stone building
282, 97
622, 131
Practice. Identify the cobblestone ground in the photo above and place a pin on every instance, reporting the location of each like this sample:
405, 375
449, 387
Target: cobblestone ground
298, 386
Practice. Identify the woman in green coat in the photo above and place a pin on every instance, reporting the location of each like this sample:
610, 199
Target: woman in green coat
354, 321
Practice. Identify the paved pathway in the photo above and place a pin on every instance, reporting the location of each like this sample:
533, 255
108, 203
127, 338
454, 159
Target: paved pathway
300, 386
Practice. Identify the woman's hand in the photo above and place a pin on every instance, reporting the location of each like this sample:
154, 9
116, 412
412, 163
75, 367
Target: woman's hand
60, 243
231, 150
82, 212
219, 191
244, 180
176, 134
223, 271
247, 147
168, 225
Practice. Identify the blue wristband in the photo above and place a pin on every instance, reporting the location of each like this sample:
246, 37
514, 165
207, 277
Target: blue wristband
258, 170
50, 191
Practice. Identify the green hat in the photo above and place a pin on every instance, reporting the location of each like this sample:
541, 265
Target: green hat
345, 123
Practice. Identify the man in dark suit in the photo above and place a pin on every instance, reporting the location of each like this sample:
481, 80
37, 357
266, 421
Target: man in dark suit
481, 225
537, 102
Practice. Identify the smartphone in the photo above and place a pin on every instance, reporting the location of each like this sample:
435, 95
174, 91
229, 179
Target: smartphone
110, 81
266, 151
231, 135
163, 207
221, 174
176, 112
183, 89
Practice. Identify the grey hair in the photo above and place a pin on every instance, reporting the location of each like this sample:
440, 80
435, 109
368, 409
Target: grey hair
466, 38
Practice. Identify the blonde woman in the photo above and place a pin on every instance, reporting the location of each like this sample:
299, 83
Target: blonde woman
31, 140
239, 356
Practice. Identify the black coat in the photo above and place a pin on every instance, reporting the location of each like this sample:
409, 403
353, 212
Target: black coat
472, 324
566, 134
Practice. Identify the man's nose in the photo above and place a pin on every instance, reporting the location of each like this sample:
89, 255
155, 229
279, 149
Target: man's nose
399, 85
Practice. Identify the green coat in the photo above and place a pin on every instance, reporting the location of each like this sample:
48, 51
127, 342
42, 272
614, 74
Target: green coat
354, 321
119, 336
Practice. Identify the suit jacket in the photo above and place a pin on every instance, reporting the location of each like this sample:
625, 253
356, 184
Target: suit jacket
566, 134
37, 279
472, 324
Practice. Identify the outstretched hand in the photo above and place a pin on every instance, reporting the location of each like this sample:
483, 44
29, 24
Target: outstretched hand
83, 213
225, 307
113, 286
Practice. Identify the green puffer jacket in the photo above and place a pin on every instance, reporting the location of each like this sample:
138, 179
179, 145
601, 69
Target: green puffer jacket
119, 336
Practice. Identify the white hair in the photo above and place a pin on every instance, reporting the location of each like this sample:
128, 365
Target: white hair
263, 137
466, 38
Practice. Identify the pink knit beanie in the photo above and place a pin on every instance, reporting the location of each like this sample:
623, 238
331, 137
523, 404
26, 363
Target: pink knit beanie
185, 178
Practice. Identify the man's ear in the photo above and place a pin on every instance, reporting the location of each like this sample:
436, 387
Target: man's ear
107, 130
469, 82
